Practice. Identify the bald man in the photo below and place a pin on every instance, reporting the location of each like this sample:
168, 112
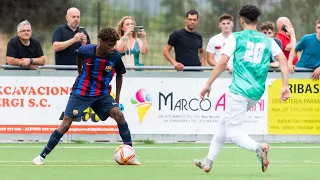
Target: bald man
287, 36
68, 37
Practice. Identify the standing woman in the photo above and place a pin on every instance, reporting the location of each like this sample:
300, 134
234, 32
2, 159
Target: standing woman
129, 44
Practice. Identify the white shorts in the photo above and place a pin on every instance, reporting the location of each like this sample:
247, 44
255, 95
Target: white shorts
236, 108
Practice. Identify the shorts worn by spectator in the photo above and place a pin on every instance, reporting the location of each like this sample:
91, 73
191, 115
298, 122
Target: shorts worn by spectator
187, 44
69, 37
23, 50
310, 58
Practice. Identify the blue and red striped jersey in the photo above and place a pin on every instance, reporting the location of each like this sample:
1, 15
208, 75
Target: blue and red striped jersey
97, 72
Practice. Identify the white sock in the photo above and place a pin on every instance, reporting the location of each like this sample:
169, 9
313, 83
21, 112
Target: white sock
217, 141
237, 135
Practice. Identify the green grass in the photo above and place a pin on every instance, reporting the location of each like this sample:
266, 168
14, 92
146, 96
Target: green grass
160, 162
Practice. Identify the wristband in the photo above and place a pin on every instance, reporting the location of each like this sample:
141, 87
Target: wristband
31, 60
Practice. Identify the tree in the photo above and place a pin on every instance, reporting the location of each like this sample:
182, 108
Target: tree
175, 13
43, 15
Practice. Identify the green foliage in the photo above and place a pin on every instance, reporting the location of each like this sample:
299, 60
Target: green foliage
165, 16
43, 15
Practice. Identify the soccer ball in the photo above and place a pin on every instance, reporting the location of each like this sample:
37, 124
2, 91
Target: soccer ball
124, 155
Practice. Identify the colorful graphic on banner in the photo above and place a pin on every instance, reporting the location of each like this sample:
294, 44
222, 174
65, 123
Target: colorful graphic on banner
298, 115
177, 108
152, 106
142, 101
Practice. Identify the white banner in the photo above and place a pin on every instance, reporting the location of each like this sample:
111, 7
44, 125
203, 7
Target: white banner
151, 106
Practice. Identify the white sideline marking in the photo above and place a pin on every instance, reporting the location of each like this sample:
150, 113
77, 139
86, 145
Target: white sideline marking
152, 147
161, 161
150, 165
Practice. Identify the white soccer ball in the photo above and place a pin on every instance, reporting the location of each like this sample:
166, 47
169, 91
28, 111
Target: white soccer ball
124, 155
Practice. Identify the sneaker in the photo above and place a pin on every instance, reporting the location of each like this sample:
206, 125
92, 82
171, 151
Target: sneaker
204, 164
38, 160
262, 154
135, 162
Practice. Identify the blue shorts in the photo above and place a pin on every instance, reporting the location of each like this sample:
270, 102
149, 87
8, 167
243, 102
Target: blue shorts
101, 105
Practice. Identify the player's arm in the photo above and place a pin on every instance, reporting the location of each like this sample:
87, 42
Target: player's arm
227, 52
79, 64
279, 56
119, 80
120, 70
219, 68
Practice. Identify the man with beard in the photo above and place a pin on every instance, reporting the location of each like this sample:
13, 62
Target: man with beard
187, 44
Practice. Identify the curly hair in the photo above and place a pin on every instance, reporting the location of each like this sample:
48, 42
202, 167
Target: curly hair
267, 25
250, 13
108, 39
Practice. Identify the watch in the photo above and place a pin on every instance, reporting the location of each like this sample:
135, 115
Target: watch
31, 60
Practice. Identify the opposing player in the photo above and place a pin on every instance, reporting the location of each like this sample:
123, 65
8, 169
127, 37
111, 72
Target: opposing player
96, 67
251, 51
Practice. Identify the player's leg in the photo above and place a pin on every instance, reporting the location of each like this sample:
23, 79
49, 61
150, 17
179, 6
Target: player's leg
106, 107
215, 146
75, 107
235, 116
263, 148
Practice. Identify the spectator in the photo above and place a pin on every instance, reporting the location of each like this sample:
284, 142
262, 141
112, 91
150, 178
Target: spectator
68, 37
287, 36
216, 42
310, 58
187, 44
268, 28
130, 45
23, 50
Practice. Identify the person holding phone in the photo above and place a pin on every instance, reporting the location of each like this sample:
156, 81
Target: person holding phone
69, 37
129, 45
287, 36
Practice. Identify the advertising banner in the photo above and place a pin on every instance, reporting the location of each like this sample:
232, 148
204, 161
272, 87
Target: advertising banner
30, 105
298, 115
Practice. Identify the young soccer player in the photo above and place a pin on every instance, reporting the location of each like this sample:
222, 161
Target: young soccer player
96, 66
251, 51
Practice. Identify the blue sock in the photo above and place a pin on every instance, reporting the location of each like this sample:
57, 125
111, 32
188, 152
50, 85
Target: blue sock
125, 133
53, 141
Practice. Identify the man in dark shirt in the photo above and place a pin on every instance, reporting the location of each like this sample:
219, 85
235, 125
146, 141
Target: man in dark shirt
187, 44
69, 37
23, 50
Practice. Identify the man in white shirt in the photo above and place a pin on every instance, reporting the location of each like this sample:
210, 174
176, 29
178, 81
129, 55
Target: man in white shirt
216, 42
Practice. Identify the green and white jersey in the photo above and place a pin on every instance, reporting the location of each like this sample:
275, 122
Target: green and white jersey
251, 51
